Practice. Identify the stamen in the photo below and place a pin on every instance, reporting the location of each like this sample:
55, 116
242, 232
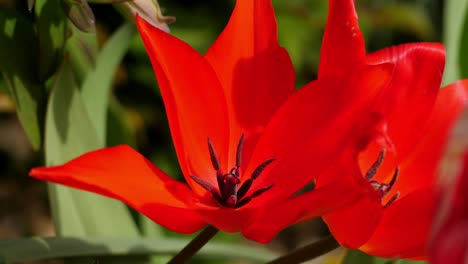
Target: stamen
239, 151
373, 169
261, 191
229, 194
382, 188
394, 197
207, 186
213, 156
203, 183
260, 168
256, 193
392, 181
215, 163
244, 201
375, 184
220, 180
244, 188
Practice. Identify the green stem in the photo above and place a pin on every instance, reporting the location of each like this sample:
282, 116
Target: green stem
308, 252
194, 246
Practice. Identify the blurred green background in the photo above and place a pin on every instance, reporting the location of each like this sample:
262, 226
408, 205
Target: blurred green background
136, 114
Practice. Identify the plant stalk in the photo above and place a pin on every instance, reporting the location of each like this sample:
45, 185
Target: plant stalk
194, 246
308, 252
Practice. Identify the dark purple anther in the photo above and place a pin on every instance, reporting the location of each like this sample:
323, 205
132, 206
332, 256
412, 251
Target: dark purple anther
373, 169
207, 186
244, 188
239, 151
392, 200
253, 195
393, 180
213, 156
260, 168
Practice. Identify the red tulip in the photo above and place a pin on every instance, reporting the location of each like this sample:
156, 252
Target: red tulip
449, 243
246, 142
399, 157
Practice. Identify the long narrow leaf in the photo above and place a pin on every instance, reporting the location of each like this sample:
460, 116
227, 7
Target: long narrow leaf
97, 85
17, 63
69, 133
462, 54
357, 256
25, 249
455, 12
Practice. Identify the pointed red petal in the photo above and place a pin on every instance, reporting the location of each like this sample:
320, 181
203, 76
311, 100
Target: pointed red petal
404, 229
256, 73
343, 45
194, 100
122, 173
311, 130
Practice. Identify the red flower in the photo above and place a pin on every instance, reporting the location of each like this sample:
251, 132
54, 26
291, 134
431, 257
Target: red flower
449, 240
401, 149
246, 142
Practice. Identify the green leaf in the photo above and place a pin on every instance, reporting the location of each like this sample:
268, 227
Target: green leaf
404, 261
462, 54
455, 13
406, 17
151, 229
25, 249
69, 133
51, 25
357, 256
82, 49
69, 129
17, 63
118, 127
98, 83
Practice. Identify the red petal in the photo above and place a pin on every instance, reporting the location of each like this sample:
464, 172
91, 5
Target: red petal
227, 219
311, 130
309, 205
451, 245
449, 242
343, 45
194, 100
354, 225
403, 231
419, 169
122, 173
404, 107
256, 73
404, 228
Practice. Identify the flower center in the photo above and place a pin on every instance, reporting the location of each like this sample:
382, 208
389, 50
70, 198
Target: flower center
229, 193
382, 188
